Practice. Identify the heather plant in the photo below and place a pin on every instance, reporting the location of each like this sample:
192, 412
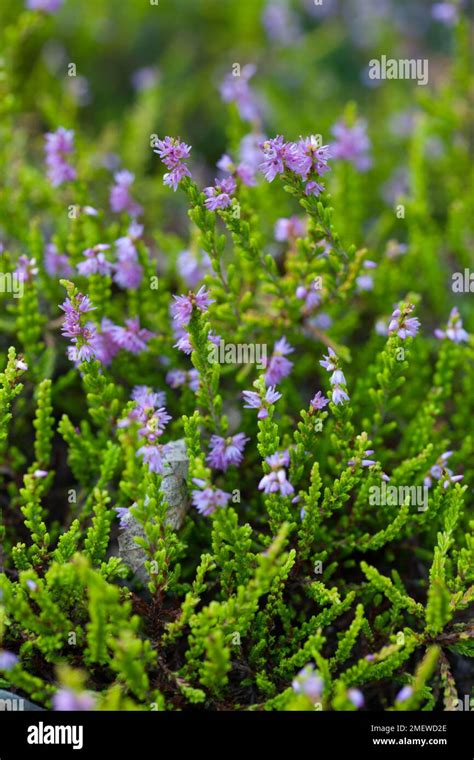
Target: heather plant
302, 327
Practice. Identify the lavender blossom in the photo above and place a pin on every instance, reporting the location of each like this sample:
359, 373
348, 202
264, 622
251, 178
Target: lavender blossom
59, 144
356, 697
255, 401
47, 6
26, 268
70, 700
235, 89
154, 425
226, 451
177, 378
352, 144
363, 462
308, 682
56, 264
145, 78
337, 379
193, 268
82, 335
250, 152
182, 308
402, 325
454, 329
311, 295
404, 694
276, 480
128, 270
208, 498
95, 261
243, 172
289, 229
120, 198
132, 338
173, 154
318, 401
8, 660
275, 152
103, 342
122, 514
280, 23
220, 195
279, 367
152, 457
446, 13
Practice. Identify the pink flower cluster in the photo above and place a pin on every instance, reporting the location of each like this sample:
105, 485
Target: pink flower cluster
306, 158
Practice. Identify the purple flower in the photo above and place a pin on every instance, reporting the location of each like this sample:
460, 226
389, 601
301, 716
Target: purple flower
226, 451
454, 329
330, 361
250, 151
440, 471
193, 269
352, 144
314, 188
255, 401
280, 23
311, 295
152, 457
178, 378
96, 262
40, 473
235, 89
243, 172
289, 229
48, 6
171, 151
70, 700
146, 398
209, 498
276, 480
402, 325
128, 271
182, 308
82, 335
279, 367
307, 156
120, 198
58, 145
337, 379
55, 263
308, 682
173, 154
356, 697
319, 401
122, 514
74, 310
275, 152
363, 462
446, 13
220, 196
103, 343
183, 342
132, 338
146, 402
339, 395
26, 268
145, 78
154, 425
8, 660
404, 694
